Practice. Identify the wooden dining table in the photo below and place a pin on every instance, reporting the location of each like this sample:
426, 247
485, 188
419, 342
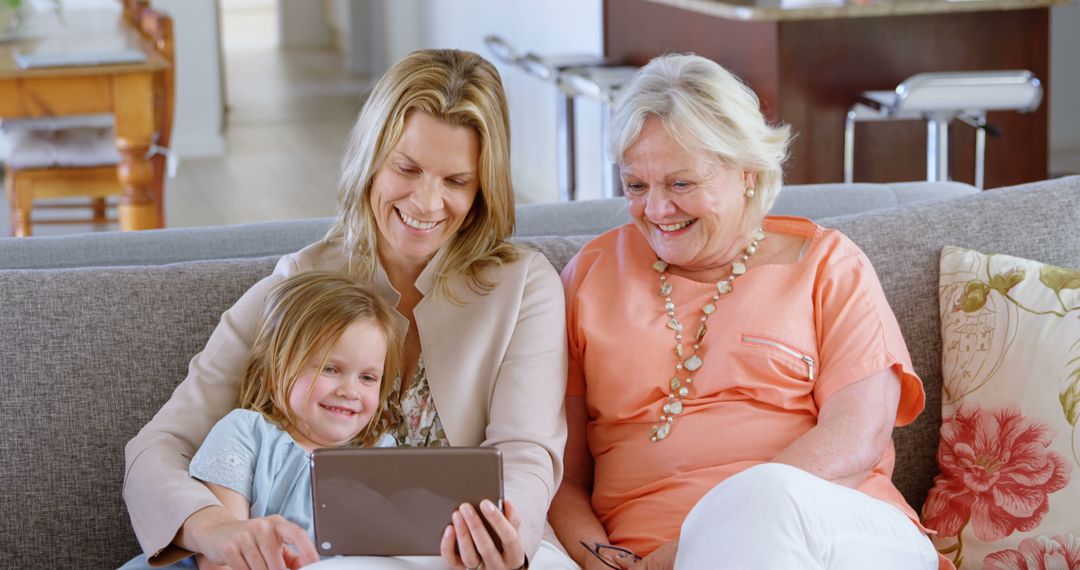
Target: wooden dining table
126, 90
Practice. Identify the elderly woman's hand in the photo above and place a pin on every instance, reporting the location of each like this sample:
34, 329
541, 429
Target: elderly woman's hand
468, 544
662, 558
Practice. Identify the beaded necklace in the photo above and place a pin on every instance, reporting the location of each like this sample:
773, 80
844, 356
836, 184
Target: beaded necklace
680, 388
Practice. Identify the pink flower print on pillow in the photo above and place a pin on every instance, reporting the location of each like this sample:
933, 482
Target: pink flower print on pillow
996, 473
1042, 553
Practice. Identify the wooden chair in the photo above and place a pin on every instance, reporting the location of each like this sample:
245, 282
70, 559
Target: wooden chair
67, 157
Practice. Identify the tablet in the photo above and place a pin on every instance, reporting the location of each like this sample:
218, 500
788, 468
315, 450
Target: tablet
396, 501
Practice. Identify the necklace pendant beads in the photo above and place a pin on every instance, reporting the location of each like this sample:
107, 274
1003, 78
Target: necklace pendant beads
674, 405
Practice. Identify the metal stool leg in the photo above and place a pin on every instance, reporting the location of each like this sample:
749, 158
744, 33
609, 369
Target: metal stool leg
980, 150
937, 149
564, 141
849, 146
612, 180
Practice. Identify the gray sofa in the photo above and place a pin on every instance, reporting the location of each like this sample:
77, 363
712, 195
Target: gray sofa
98, 329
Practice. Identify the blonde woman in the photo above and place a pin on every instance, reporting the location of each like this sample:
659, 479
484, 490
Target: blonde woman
424, 211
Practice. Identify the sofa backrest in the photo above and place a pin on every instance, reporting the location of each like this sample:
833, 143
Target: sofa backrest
89, 355
174, 245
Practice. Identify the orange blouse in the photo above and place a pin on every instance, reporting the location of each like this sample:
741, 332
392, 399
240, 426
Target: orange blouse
787, 338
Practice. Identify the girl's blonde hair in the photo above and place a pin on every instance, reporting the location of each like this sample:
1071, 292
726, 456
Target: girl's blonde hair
305, 315
707, 109
457, 87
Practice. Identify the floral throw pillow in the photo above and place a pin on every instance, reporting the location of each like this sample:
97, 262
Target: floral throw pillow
1008, 494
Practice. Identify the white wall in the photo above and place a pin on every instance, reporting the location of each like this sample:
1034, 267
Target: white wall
549, 27
1065, 79
197, 120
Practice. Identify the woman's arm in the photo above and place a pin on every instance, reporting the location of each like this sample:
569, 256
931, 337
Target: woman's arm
525, 419
853, 431
571, 513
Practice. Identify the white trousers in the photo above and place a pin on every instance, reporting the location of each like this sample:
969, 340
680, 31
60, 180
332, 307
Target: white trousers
775, 516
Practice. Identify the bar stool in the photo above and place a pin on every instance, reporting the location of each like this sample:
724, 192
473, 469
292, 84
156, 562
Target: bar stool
939, 98
602, 84
548, 68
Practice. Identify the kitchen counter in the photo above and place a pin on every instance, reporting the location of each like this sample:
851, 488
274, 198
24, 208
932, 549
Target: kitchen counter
774, 10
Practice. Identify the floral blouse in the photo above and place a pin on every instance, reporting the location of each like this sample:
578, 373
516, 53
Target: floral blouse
413, 419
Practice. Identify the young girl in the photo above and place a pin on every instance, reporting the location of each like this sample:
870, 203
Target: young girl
313, 379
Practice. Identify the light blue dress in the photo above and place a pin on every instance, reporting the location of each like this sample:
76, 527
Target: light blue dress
254, 457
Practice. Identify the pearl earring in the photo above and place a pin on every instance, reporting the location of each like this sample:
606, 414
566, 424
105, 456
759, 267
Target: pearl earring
749, 192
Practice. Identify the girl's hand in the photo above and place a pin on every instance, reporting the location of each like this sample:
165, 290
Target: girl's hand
205, 564
265, 543
474, 544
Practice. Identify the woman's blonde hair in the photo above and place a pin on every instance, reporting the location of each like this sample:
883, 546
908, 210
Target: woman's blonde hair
707, 109
459, 88
305, 315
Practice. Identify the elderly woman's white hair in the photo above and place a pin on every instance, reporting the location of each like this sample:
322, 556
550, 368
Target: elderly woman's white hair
707, 109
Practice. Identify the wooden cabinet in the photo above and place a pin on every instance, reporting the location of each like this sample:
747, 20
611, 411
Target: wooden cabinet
809, 64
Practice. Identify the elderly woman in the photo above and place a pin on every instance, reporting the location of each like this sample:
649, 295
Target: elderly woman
425, 209
734, 379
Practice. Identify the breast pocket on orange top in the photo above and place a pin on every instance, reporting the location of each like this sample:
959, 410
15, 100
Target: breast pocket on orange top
776, 367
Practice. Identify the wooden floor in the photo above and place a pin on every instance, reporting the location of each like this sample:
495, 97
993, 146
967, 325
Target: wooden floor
289, 115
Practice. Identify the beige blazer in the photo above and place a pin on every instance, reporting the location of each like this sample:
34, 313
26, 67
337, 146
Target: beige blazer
496, 366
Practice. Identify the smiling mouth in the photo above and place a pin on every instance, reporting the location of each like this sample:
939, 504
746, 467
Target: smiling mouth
676, 226
339, 410
415, 223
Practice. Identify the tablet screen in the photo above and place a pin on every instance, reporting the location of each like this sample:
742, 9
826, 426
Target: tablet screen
396, 501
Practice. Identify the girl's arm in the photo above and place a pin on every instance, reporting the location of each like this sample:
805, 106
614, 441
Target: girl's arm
226, 534
234, 504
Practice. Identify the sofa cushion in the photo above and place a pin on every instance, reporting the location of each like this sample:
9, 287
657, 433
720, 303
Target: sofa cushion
67, 148
904, 244
1010, 332
88, 357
